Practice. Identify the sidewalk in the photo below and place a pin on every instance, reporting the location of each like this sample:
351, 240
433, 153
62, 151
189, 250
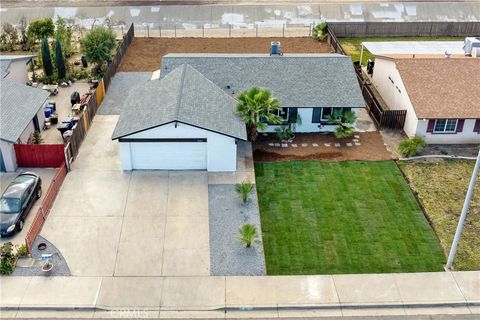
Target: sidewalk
220, 297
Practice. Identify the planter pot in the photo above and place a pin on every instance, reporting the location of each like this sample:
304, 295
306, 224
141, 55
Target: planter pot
47, 268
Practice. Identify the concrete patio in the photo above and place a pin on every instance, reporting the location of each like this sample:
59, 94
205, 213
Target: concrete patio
228, 297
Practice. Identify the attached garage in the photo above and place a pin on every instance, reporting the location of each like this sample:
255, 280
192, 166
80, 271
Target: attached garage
182, 122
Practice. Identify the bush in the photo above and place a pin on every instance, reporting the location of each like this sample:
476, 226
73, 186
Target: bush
22, 251
319, 31
97, 45
244, 190
248, 234
7, 258
410, 147
344, 122
40, 29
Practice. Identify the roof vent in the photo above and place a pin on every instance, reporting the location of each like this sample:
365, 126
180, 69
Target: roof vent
276, 49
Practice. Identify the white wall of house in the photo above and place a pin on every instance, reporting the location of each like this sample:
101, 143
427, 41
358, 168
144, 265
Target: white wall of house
8, 154
306, 123
466, 136
220, 151
18, 71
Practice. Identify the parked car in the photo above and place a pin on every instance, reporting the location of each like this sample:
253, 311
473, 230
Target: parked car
17, 200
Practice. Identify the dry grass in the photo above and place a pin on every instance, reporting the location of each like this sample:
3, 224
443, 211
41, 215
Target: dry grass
441, 188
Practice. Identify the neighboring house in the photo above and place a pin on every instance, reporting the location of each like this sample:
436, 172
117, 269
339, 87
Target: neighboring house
180, 122
21, 113
441, 96
15, 67
308, 85
187, 119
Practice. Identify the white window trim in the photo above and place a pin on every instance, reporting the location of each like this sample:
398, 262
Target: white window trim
445, 126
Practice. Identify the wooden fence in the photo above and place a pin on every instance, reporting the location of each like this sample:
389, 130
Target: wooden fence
39, 155
45, 207
112, 67
381, 116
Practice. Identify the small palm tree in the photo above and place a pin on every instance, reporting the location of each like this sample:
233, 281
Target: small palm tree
258, 108
344, 122
248, 234
37, 137
244, 189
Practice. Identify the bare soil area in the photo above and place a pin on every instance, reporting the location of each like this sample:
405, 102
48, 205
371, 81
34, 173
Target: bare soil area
144, 54
321, 146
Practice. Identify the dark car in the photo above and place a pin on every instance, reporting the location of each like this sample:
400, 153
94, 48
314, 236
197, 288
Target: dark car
17, 200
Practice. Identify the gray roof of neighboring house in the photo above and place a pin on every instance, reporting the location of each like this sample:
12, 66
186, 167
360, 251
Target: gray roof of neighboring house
297, 80
185, 95
19, 104
4, 67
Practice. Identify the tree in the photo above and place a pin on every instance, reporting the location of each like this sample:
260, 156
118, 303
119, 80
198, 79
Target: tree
344, 122
63, 33
46, 59
248, 234
24, 40
40, 29
9, 37
97, 45
319, 31
244, 190
60, 61
258, 108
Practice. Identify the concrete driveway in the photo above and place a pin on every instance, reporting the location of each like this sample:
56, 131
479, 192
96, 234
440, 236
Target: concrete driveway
107, 222
5, 179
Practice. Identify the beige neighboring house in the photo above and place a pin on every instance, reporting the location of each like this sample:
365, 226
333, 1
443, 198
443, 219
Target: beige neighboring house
441, 96
15, 67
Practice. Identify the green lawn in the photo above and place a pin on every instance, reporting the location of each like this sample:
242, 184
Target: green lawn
342, 217
441, 187
352, 46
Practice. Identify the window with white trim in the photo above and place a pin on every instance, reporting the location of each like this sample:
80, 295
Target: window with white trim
445, 125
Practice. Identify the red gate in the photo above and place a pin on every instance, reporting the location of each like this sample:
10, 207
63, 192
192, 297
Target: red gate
40, 155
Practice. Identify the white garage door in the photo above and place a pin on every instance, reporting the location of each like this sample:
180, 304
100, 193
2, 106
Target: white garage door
169, 155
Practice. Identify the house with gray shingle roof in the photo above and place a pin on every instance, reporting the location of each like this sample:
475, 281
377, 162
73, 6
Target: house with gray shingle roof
187, 119
21, 113
15, 67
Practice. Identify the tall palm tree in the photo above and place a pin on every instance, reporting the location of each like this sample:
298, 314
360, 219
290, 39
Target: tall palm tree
258, 108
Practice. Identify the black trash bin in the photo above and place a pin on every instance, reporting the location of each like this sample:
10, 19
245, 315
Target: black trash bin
84, 62
63, 127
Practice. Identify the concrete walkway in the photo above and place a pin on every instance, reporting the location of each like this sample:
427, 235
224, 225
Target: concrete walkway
220, 297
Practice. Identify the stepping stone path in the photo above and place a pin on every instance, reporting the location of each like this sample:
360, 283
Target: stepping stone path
277, 144
355, 140
271, 144
349, 144
304, 145
358, 144
356, 136
337, 145
327, 144
284, 145
315, 145
294, 145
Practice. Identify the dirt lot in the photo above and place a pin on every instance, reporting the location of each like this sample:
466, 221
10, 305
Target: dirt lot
144, 54
319, 146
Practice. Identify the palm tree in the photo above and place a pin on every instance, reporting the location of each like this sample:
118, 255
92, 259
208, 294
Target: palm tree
244, 189
344, 122
258, 108
248, 234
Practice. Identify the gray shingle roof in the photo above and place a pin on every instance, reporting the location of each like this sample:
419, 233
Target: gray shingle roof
18, 105
186, 96
4, 67
297, 80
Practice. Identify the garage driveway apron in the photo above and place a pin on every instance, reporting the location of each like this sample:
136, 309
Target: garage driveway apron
142, 223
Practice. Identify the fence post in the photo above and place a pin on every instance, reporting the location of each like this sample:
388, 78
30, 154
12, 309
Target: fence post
122, 31
203, 30
229, 30
310, 30
148, 32
175, 28
284, 30
160, 29
256, 30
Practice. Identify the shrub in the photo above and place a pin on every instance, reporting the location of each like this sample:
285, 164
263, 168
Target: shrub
248, 234
284, 133
97, 45
319, 31
7, 258
9, 37
410, 147
37, 137
22, 251
344, 122
244, 190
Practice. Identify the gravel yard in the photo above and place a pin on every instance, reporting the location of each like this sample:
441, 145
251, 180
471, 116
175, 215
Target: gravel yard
144, 54
228, 257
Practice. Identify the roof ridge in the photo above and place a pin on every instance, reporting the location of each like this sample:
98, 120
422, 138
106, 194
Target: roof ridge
180, 91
